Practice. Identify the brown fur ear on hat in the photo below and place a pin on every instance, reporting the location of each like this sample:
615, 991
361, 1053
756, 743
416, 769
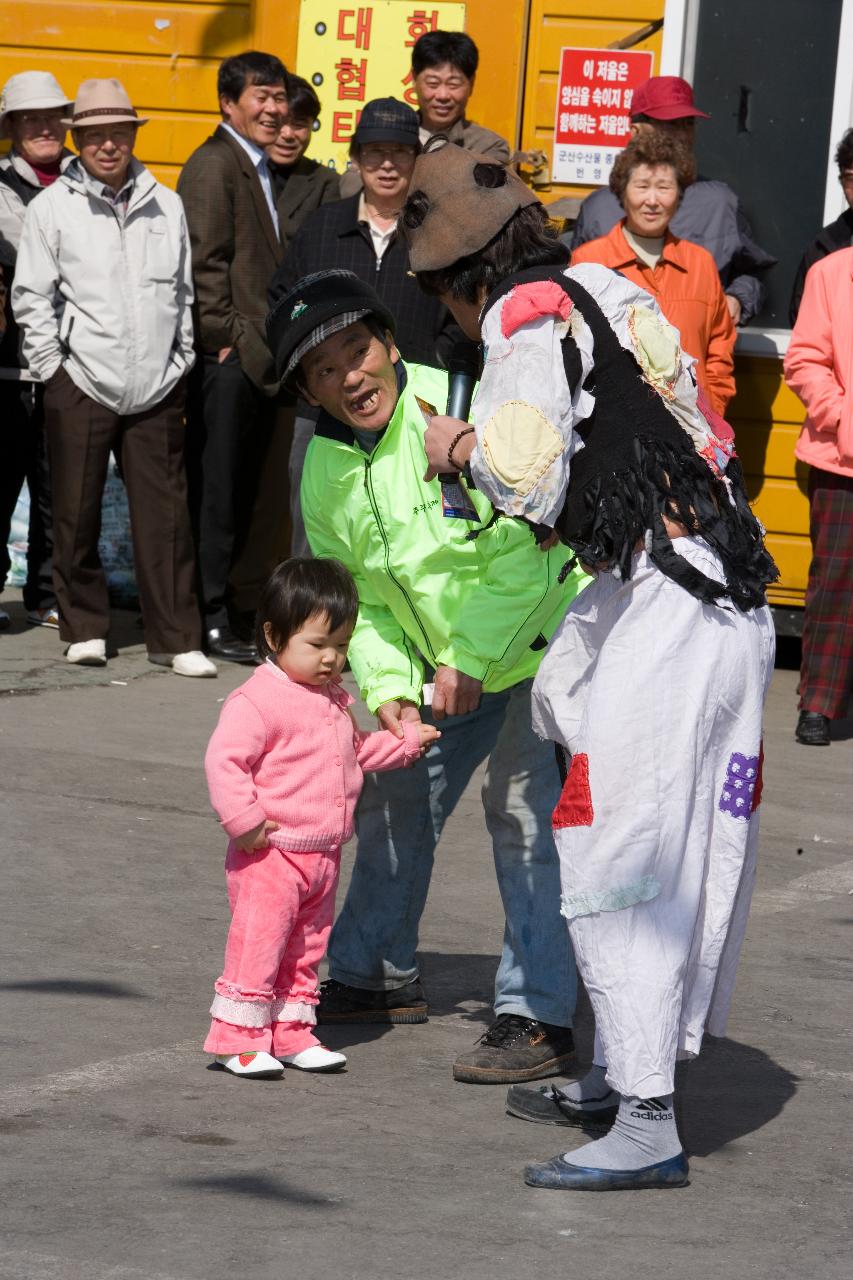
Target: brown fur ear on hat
458, 202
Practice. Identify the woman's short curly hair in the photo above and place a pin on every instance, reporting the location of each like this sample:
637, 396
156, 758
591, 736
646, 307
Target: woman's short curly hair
654, 150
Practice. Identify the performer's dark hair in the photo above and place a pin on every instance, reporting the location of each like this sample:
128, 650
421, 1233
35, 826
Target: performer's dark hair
529, 239
300, 589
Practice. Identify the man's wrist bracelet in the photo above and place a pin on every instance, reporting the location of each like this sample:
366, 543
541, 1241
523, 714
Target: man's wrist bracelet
466, 431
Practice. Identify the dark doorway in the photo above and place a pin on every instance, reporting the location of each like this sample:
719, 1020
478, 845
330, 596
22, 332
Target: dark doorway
766, 73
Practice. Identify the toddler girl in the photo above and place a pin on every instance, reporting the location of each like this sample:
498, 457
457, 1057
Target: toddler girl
284, 770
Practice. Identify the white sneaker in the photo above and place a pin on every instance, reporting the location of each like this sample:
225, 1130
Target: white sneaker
194, 663
315, 1058
258, 1065
88, 653
5, 620
43, 617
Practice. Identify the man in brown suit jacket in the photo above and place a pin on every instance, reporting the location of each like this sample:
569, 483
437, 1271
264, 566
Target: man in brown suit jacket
230, 205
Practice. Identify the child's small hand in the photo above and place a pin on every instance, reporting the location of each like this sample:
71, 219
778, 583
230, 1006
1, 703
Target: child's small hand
427, 733
256, 838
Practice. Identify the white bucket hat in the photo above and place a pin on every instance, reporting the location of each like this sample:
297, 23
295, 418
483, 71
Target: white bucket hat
30, 91
102, 102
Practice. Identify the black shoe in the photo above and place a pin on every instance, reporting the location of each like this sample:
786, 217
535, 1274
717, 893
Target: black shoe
812, 729
340, 1003
222, 643
544, 1105
515, 1049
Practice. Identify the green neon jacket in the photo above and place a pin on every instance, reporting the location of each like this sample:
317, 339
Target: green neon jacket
426, 591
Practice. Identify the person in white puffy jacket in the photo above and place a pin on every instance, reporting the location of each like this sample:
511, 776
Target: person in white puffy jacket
102, 292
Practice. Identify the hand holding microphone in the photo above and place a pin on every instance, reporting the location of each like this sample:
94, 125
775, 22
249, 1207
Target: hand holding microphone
463, 368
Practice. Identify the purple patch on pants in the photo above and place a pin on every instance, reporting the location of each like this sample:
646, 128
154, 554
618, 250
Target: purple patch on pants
739, 786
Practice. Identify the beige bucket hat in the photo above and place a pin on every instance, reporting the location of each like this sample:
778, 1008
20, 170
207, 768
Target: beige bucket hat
103, 102
30, 91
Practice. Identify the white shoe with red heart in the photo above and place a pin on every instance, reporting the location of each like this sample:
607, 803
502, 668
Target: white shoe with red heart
256, 1065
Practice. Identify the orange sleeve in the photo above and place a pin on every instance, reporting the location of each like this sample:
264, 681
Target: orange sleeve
720, 347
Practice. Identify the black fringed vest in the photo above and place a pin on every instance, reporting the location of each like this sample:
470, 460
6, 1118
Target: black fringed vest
638, 464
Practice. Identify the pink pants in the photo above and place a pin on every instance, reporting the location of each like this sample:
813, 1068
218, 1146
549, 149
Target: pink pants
282, 907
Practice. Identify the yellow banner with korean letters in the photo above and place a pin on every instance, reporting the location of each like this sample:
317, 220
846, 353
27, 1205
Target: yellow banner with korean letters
353, 52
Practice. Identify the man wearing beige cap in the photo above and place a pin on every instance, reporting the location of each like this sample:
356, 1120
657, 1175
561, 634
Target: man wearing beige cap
103, 293
32, 105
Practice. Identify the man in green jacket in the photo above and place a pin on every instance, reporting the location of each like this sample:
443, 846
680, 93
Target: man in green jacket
457, 608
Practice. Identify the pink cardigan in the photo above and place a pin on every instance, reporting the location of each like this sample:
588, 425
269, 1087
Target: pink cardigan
819, 364
292, 753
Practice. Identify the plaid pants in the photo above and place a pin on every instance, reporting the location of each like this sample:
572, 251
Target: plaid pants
826, 676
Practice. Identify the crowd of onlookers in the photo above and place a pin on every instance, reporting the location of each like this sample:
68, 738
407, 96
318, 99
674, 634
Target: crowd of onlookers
135, 326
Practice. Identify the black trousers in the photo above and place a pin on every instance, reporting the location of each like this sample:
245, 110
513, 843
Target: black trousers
24, 457
240, 514
149, 448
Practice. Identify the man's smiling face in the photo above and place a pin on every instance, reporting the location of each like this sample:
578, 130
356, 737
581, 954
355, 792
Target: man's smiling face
351, 375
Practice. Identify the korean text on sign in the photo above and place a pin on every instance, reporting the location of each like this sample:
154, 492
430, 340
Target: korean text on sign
353, 52
595, 91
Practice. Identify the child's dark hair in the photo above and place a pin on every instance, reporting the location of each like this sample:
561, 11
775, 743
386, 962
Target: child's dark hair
298, 590
528, 240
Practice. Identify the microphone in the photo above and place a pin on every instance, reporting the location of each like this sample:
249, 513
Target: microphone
463, 367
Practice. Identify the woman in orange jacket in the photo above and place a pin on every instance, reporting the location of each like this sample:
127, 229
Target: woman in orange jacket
649, 179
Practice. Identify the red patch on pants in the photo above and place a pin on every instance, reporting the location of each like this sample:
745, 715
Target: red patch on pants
759, 780
574, 808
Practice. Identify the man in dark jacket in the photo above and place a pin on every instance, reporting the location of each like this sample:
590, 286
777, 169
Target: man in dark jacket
237, 416
838, 235
709, 214
360, 234
301, 185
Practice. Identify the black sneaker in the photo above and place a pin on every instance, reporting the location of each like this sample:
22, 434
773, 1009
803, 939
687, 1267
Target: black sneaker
545, 1105
340, 1003
515, 1049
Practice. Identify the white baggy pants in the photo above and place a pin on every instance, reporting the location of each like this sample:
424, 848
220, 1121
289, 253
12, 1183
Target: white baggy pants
659, 700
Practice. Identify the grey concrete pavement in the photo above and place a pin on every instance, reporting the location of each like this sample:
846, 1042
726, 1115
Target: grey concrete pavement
125, 1158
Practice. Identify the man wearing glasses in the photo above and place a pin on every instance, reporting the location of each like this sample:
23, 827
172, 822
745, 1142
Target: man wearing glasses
103, 294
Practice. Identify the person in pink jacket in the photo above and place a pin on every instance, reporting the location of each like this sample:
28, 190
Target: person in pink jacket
284, 769
819, 368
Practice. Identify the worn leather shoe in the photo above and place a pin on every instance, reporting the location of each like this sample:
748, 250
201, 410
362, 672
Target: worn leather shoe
222, 643
340, 1003
812, 729
559, 1175
544, 1105
516, 1048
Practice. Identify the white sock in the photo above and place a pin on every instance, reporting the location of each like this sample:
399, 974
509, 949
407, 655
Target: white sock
643, 1133
591, 1088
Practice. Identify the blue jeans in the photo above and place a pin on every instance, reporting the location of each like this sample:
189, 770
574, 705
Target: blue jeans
399, 822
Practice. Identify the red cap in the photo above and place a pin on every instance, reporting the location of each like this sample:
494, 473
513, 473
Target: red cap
665, 98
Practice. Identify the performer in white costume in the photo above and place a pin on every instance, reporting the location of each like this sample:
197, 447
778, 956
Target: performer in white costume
589, 425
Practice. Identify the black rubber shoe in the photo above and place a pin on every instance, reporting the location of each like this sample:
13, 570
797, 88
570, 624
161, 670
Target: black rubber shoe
340, 1003
543, 1105
812, 729
515, 1049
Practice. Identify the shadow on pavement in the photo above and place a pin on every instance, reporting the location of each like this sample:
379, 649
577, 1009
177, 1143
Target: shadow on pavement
76, 987
258, 1187
729, 1091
